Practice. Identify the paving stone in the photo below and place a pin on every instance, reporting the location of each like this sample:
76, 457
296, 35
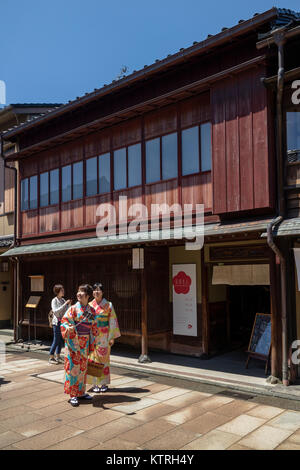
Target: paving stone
149, 431
188, 399
9, 437
287, 445
38, 427
205, 423
238, 447
13, 424
96, 420
117, 444
169, 393
171, 440
287, 420
265, 438
236, 407
242, 425
213, 440
183, 415
155, 411
213, 402
136, 406
79, 443
49, 438
265, 412
115, 428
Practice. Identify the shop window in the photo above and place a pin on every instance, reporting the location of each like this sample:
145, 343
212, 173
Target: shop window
196, 149
293, 136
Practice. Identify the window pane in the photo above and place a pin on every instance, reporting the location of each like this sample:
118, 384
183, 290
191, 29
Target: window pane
44, 189
77, 180
120, 169
54, 186
169, 156
24, 195
134, 165
91, 176
206, 147
66, 183
152, 160
190, 151
293, 131
104, 173
33, 203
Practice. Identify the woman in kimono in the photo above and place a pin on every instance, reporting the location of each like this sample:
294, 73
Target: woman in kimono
79, 329
108, 331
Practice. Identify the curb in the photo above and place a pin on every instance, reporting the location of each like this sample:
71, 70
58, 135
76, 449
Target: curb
257, 390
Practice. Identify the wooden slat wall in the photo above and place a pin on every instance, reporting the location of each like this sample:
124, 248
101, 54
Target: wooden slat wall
160, 122
91, 205
9, 191
71, 215
30, 222
240, 137
82, 213
197, 189
127, 133
49, 219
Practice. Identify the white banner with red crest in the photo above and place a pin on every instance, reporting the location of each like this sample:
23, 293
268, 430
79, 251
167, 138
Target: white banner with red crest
184, 299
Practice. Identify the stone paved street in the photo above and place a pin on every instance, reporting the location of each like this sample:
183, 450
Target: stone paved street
139, 412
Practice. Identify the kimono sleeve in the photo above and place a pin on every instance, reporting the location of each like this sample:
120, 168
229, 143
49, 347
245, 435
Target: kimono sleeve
70, 337
114, 331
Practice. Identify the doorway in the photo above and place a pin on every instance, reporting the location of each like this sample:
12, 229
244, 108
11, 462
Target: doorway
243, 304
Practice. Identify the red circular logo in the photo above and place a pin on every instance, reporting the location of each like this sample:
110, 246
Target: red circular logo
182, 283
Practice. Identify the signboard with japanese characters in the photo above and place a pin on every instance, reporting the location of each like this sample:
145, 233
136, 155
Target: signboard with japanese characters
184, 299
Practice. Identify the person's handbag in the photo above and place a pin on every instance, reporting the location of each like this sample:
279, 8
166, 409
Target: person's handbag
50, 318
94, 368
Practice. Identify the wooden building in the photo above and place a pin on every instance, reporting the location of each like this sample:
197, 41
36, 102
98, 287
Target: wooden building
197, 127
10, 116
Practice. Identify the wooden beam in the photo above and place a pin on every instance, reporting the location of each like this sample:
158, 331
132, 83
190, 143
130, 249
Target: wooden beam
144, 358
205, 307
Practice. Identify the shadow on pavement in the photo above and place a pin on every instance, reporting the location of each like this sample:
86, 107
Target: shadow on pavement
102, 400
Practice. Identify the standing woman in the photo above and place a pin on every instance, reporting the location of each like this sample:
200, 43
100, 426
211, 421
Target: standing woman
59, 306
108, 330
78, 329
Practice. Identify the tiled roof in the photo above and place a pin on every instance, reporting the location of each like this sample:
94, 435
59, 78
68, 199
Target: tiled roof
278, 17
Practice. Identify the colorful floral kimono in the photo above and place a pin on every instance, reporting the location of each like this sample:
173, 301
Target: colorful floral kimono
108, 329
79, 344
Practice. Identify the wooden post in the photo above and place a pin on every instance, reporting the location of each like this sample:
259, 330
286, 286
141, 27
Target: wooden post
275, 309
144, 319
205, 307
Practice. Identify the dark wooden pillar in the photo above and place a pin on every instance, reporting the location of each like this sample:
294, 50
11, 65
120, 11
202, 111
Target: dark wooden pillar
144, 318
205, 307
275, 305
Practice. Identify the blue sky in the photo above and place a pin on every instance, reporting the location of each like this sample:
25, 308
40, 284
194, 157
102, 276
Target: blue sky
53, 51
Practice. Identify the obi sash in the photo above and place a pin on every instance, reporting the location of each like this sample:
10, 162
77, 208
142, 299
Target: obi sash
83, 328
